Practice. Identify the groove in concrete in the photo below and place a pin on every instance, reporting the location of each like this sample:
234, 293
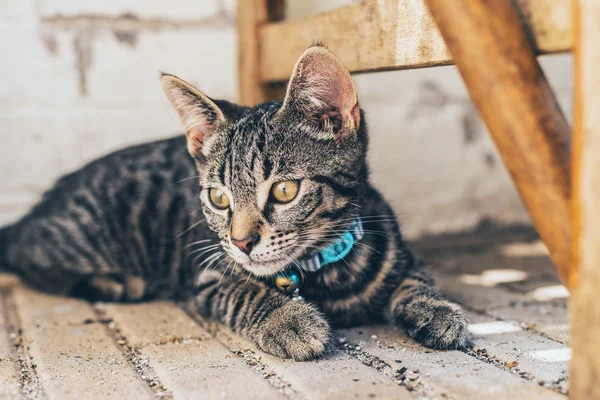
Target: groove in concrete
137, 360
251, 358
28, 378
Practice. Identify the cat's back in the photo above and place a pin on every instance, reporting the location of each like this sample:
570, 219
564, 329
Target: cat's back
120, 174
121, 212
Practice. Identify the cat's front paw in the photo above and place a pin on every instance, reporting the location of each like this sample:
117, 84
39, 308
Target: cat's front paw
436, 323
297, 330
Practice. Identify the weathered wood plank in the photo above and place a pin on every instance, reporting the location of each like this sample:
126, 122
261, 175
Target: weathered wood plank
548, 318
251, 16
585, 204
393, 34
154, 323
206, 370
10, 387
450, 373
519, 108
75, 357
184, 356
336, 376
508, 345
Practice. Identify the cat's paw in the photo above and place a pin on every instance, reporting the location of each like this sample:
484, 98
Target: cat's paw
109, 288
436, 323
297, 330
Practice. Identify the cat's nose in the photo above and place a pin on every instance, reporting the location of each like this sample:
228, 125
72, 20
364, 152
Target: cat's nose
247, 244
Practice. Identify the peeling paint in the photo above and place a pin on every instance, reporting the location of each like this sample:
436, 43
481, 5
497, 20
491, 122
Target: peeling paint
470, 127
430, 95
125, 28
129, 21
50, 43
489, 160
128, 37
433, 95
82, 45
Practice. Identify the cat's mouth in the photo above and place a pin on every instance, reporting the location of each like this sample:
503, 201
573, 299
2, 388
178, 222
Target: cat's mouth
260, 266
263, 264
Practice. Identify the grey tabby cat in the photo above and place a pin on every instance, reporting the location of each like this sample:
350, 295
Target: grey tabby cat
279, 183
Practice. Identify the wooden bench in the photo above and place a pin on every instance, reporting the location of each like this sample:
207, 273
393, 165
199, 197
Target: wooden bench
494, 44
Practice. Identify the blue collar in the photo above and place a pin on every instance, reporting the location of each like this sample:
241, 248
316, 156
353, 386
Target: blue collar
289, 280
336, 251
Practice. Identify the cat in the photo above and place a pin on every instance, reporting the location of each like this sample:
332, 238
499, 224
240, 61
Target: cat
287, 240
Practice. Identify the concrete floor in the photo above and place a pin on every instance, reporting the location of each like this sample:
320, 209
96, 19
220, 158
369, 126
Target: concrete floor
58, 348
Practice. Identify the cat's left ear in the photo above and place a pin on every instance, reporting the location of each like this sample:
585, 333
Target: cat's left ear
199, 115
322, 89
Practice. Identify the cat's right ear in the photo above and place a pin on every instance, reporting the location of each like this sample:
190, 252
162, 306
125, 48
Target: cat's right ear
199, 115
321, 89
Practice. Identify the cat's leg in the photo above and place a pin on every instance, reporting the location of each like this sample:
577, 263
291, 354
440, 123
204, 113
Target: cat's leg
275, 322
110, 288
427, 316
55, 255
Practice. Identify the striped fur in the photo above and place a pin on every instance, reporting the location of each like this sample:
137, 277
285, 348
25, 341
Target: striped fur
129, 226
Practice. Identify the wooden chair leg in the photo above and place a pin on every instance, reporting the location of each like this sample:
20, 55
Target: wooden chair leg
585, 309
506, 83
251, 15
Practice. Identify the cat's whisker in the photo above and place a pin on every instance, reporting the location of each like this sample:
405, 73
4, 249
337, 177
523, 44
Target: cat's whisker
313, 247
214, 260
198, 242
337, 227
212, 246
338, 233
300, 270
332, 237
224, 272
368, 218
366, 246
209, 259
187, 179
235, 265
202, 251
248, 278
205, 251
195, 224
365, 216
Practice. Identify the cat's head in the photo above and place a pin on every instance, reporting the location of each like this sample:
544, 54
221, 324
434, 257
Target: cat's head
283, 179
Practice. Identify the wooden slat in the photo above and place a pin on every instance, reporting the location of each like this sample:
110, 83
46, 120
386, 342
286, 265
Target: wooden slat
508, 87
586, 203
376, 35
337, 376
251, 16
451, 374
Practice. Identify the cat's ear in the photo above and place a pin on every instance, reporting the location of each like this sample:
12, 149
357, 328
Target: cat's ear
199, 115
322, 89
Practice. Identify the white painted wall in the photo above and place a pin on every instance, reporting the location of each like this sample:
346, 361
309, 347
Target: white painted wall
80, 79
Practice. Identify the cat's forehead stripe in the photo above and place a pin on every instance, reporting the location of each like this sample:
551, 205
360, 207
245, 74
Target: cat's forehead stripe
262, 194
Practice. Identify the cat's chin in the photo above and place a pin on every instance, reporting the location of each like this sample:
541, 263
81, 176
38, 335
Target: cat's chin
266, 268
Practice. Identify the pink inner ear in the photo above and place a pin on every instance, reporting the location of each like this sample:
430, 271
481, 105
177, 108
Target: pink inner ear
196, 138
329, 85
331, 119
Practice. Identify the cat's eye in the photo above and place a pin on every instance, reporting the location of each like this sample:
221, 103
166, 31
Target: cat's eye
285, 191
218, 198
